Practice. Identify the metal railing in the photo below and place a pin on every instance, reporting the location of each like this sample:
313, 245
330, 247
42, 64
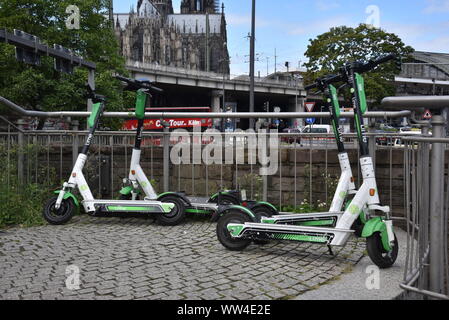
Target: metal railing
426, 182
411, 177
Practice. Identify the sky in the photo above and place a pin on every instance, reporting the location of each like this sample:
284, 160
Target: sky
287, 26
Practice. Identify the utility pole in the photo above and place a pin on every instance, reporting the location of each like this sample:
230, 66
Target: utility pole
207, 43
268, 66
275, 61
252, 58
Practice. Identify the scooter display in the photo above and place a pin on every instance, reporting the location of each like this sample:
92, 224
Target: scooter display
61, 208
236, 231
137, 182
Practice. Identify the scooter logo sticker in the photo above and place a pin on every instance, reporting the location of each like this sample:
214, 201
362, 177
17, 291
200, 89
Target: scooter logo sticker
84, 188
353, 209
342, 194
235, 230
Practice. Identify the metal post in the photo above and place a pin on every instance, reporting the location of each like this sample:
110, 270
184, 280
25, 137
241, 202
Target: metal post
265, 177
75, 141
372, 141
91, 81
424, 208
20, 153
436, 268
166, 158
252, 58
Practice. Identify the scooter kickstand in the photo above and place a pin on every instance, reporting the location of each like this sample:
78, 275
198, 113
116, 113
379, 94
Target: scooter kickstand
330, 250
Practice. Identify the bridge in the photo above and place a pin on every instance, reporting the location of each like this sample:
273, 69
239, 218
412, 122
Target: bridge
184, 87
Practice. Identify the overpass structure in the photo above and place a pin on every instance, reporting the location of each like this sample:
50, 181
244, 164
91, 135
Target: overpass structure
184, 87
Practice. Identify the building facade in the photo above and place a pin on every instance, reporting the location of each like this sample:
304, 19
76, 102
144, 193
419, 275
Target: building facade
427, 74
194, 39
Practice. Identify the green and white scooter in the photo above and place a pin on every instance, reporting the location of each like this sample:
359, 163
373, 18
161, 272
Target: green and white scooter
137, 182
61, 208
236, 231
345, 188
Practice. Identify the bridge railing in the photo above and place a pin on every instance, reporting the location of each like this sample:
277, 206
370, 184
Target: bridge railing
212, 75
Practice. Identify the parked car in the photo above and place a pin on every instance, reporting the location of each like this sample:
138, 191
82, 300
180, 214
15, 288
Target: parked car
318, 128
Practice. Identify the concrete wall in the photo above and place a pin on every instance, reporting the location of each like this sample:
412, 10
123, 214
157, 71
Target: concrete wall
202, 180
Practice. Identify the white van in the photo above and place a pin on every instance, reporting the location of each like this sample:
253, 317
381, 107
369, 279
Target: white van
319, 129
398, 143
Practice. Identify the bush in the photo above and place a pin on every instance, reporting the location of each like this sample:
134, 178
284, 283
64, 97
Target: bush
21, 204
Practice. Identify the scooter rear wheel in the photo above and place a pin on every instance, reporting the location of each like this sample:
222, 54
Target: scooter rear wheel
58, 216
223, 234
381, 257
176, 215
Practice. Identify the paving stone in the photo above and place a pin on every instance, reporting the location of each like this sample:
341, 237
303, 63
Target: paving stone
137, 259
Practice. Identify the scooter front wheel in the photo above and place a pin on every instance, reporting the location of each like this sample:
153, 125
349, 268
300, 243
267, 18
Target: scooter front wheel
58, 216
225, 237
176, 215
376, 251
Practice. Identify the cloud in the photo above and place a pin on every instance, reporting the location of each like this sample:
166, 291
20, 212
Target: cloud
437, 6
438, 44
422, 37
326, 5
318, 27
236, 20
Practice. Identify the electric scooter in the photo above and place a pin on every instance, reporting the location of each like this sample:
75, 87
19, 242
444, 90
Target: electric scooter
345, 187
137, 181
236, 231
60, 209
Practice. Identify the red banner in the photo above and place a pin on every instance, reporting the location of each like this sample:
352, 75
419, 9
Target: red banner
155, 124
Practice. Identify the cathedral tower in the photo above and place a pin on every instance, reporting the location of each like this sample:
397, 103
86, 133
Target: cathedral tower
164, 7
199, 6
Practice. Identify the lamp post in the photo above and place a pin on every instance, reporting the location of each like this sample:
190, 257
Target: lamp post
252, 58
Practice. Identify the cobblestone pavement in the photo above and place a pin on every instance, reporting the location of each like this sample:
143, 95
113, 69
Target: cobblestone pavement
137, 259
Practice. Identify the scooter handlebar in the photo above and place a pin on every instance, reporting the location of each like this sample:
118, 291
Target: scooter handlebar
324, 81
134, 85
370, 65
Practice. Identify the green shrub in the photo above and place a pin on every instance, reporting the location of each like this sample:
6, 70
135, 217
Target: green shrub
21, 203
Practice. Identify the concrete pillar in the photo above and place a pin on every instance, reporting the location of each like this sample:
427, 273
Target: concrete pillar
296, 104
215, 105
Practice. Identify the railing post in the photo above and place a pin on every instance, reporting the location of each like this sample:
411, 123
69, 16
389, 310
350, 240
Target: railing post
20, 152
166, 159
372, 141
424, 207
75, 141
265, 177
436, 268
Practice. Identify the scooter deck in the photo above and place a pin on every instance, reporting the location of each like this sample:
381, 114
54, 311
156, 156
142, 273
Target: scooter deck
130, 206
201, 205
305, 219
263, 231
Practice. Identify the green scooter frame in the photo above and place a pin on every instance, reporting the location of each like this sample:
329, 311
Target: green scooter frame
138, 184
61, 208
236, 231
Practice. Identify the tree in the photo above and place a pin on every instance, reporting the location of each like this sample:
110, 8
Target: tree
332, 49
44, 88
